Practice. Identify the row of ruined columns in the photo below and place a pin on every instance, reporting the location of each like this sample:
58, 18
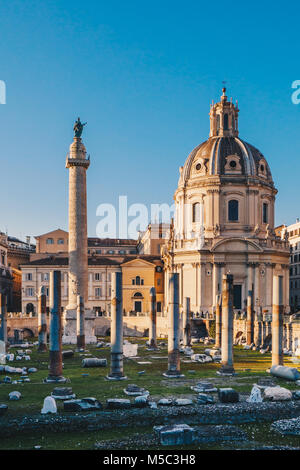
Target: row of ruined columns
224, 325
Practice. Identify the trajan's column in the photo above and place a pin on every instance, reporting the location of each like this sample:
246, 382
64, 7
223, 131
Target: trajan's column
77, 164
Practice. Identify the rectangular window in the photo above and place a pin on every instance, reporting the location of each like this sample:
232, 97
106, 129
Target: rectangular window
98, 292
265, 213
97, 276
28, 277
29, 291
158, 307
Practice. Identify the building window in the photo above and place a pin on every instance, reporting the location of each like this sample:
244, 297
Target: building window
225, 122
60, 241
45, 276
138, 280
50, 241
28, 276
29, 291
98, 292
196, 212
265, 213
98, 277
233, 210
158, 307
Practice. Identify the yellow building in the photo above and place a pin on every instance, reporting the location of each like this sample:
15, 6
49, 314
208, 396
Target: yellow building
139, 275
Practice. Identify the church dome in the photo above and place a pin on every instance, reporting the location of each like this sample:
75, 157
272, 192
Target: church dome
224, 153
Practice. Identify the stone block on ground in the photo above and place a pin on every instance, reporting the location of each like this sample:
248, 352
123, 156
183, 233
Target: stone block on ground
130, 350
49, 406
67, 353
177, 434
83, 404
141, 401
255, 395
204, 386
15, 396
118, 403
63, 393
287, 373
135, 391
165, 402
204, 399
94, 362
183, 402
228, 395
277, 394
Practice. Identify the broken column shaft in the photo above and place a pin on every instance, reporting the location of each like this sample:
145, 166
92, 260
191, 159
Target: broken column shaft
186, 322
249, 321
173, 327
152, 325
277, 321
55, 352
218, 321
80, 323
116, 328
42, 321
227, 325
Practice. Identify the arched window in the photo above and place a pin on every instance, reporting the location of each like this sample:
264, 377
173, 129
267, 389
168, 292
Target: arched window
137, 294
233, 210
265, 213
225, 122
138, 280
196, 212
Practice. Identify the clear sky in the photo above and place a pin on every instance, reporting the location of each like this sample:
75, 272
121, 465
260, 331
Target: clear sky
142, 74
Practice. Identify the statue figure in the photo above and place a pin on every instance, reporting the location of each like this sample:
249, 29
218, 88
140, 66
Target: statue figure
78, 128
256, 229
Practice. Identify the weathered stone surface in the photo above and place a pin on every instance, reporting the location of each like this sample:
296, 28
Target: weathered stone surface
277, 394
228, 395
49, 406
141, 401
203, 399
135, 391
264, 382
94, 362
177, 434
204, 386
84, 404
130, 350
67, 353
31, 370
183, 402
255, 395
117, 403
287, 373
165, 402
287, 427
15, 396
63, 393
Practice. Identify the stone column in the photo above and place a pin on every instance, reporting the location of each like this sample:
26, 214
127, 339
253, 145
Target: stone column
80, 323
3, 312
218, 321
227, 325
152, 325
249, 323
277, 321
42, 322
173, 328
55, 352
116, 328
77, 164
186, 322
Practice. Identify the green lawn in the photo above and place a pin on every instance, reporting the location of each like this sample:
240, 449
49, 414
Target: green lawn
249, 366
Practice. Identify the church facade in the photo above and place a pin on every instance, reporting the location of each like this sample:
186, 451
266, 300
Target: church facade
224, 222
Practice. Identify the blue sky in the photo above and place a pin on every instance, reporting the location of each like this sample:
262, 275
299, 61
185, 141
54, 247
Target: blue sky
142, 74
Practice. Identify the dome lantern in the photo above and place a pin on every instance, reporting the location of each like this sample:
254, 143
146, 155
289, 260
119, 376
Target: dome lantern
224, 118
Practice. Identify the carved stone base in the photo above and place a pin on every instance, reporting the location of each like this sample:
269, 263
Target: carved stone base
70, 327
173, 374
53, 379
